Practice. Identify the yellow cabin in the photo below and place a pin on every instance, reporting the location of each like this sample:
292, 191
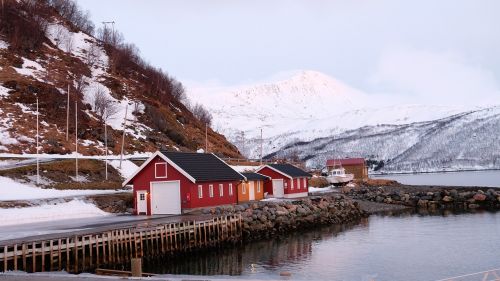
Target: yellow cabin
252, 188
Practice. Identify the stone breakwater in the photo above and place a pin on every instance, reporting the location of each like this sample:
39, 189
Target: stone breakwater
438, 199
267, 218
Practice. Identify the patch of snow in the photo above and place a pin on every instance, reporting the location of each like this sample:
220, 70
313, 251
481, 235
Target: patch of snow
243, 168
3, 44
25, 139
320, 189
24, 108
30, 68
74, 209
87, 142
13, 190
4, 92
45, 124
128, 167
201, 150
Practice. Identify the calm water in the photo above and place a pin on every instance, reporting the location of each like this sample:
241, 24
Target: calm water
408, 247
473, 178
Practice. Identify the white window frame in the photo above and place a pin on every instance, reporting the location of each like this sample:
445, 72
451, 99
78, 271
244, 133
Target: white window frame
258, 186
156, 170
304, 181
298, 183
221, 190
200, 191
285, 184
211, 190
230, 189
244, 188
292, 184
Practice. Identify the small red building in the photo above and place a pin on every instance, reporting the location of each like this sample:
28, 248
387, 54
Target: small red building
287, 181
355, 166
170, 182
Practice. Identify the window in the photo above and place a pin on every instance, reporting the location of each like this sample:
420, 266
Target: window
160, 170
258, 186
291, 183
230, 189
221, 190
200, 191
304, 181
142, 196
244, 188
298, 183
211, 190
286, 184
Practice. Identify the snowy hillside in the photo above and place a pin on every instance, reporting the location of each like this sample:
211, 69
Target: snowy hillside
468, 140
96, 76
306, 106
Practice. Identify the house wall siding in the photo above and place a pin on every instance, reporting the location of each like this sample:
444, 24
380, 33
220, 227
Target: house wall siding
286, 181
245, 197
188, 190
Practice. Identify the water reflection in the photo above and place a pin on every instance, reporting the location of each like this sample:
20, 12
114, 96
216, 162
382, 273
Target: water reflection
252, 257
407, 247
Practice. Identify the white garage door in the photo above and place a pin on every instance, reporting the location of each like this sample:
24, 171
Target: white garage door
278, 190
165, 198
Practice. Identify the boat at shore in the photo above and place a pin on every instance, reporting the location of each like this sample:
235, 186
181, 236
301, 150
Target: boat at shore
337, 176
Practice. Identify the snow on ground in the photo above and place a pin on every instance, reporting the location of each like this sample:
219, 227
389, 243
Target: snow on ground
128, 167
3, 45
30, 68
74, 209
12, 190
242, 169
4, 92
320, 189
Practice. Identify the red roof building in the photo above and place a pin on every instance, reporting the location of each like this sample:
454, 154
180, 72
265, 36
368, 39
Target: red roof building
170, 182
356, 166
287, 181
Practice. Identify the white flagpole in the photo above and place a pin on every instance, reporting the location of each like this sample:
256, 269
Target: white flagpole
206, 138
123, 136
67, 117
261, 141
76, 140
106, 143
37, 146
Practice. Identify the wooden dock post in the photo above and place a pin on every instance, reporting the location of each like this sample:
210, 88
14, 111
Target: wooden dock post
136, 267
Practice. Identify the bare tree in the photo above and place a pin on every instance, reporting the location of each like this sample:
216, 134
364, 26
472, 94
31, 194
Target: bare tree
68, 42
92, 54
202, 114
103, 105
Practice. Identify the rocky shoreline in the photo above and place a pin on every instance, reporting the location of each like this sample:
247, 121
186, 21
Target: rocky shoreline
437, 198
268, 218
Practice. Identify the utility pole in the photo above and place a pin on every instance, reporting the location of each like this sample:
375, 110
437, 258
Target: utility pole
67, 117
261, 142
243, 142
37, 146
106, 143
206, 138
123, 136
76, 140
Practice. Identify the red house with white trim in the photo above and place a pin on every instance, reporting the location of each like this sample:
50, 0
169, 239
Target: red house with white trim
170, 182
287, 181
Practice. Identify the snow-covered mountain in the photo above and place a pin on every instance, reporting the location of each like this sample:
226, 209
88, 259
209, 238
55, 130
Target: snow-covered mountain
299, 114
468, 140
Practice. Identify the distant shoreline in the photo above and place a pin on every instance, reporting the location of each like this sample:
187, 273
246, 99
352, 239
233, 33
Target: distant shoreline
377, 174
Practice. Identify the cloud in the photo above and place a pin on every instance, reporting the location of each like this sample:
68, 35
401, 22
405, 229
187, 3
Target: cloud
434, 78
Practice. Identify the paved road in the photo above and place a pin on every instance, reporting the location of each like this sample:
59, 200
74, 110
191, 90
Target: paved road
52, 230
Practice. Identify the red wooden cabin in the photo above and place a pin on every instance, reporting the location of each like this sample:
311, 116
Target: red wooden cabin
287, 181
170, 182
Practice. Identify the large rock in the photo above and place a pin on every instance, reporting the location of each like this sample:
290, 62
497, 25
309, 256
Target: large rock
447, 199
479, 197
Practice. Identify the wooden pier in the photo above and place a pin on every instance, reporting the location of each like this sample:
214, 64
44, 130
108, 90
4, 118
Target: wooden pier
87, 252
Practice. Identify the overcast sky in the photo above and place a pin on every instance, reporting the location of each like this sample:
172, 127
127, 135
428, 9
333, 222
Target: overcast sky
426, 49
